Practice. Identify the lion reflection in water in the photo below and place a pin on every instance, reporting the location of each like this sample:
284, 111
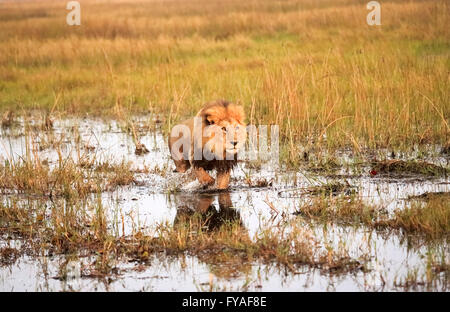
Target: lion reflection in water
224, 225
201, 205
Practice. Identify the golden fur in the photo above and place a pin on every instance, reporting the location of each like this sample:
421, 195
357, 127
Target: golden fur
226, 138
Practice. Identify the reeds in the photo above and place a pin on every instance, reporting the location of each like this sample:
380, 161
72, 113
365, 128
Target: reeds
315, 69
425, 217
82, 228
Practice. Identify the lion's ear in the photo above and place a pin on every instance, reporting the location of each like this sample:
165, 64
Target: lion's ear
210, 120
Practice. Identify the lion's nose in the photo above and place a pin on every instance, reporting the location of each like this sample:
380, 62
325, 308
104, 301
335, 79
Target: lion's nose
234, 143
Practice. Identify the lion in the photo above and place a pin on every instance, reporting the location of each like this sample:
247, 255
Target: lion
210, 141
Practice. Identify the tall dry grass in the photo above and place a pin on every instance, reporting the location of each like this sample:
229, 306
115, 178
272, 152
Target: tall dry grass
313, 67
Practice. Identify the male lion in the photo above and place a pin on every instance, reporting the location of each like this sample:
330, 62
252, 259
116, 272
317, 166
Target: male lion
212, 140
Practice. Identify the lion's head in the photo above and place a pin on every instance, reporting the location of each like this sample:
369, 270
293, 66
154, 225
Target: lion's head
224, 128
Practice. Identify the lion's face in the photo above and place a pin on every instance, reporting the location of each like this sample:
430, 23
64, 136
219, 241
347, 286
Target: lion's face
225, 128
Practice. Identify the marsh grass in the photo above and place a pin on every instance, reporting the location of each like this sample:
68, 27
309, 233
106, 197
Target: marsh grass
331, 188
349, 210
7, 119
8, 255
68, 179
430, 196
60, 227
322, 165
429, 220
437, 271
315, 69
82, 229
231, 251
408, 167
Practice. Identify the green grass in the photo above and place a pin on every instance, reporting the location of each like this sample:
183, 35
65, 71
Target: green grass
70, 178
431, 218
313, 68
426, 217
82, 228
401, 167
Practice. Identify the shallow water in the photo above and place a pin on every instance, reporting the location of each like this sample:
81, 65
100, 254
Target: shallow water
153, 202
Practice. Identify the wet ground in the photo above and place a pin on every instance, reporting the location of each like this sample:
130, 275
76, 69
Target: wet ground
259, 196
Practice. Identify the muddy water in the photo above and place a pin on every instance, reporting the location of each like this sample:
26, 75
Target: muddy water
161, 196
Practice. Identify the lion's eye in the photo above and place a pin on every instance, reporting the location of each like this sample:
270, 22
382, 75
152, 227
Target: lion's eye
211, 122
224, 128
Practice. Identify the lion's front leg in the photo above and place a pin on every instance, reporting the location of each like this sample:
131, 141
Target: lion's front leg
223, 179
203, 177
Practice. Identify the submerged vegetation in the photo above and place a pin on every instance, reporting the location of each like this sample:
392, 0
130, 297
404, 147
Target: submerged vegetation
68, 180
83, 228
430, 219
55, 205
343, 210
411, 167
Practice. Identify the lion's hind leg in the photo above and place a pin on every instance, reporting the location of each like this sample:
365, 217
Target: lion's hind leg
179, 157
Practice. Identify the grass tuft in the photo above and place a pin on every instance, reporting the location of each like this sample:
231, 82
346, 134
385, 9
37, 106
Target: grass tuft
402, 167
